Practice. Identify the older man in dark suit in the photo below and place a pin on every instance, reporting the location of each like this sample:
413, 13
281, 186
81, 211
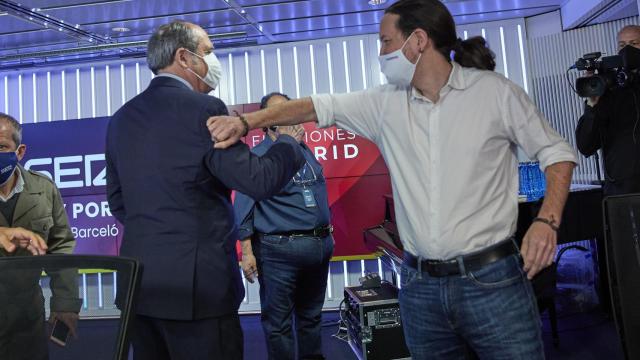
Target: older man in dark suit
171, 190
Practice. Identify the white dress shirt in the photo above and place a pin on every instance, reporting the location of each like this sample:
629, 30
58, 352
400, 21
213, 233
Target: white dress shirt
453, 163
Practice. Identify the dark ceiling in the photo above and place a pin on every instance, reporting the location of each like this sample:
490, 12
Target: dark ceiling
44, 26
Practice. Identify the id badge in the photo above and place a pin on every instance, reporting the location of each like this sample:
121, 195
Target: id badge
309, 199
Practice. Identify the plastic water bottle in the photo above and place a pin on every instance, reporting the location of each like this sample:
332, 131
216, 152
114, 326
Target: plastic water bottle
543, 182
528, 178
533, 179
524, 179
540, 181
521, 190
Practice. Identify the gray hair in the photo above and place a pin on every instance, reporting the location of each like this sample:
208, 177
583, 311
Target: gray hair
165, 41
17, 128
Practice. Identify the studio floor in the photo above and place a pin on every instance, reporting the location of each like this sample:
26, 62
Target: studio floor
583, 336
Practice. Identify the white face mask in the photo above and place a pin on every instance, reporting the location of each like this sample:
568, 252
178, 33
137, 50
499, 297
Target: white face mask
397, 68
214, 70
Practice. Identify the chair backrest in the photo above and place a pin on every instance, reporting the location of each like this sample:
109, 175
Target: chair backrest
622, 236
22, 304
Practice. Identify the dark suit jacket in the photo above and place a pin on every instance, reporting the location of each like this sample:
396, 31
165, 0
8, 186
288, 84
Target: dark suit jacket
172, 192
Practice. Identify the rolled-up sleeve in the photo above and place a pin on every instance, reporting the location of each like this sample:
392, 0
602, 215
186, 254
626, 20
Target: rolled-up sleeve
357, 112
531, 131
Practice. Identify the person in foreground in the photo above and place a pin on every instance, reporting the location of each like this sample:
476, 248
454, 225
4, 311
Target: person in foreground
171, 190
30, 200
448, 130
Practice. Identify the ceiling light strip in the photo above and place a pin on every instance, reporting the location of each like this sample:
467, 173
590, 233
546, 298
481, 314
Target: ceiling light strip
296, 76
345, 56
123, 92
232, 80
63, 91
20, 97
279, 61
313, 69
137, 78
6, 95
263, 70
107, 75
363, 65
49, 96
504, 53
522, 59
330, 66
93, 92
247, 76
78, 97
34, 93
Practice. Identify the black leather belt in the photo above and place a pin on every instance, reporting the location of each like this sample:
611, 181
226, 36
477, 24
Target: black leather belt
321, 231
440, 268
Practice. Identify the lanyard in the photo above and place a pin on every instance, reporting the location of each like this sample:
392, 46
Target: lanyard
301, 180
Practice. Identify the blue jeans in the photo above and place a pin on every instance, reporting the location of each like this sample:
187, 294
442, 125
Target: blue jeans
293, 279
492, 309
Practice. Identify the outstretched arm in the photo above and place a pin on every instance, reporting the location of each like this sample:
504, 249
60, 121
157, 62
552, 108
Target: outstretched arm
227, 130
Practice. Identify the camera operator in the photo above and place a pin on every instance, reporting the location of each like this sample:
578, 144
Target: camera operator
610, 123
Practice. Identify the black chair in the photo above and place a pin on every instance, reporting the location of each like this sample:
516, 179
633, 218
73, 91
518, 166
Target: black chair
125, 275
622, 224
544, 287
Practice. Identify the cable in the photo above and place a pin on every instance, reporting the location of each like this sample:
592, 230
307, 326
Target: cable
341, 334
569, 81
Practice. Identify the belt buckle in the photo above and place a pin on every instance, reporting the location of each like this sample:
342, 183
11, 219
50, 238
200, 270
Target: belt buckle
439, 269
431, 268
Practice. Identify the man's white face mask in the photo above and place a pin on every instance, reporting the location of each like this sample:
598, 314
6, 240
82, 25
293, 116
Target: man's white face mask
214, 70
397, 68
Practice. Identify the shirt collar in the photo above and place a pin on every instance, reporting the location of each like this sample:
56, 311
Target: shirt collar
18, 188
456, 78
456, 81
173, 76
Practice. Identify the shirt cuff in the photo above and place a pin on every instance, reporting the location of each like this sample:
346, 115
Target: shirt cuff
244, 233
323, 105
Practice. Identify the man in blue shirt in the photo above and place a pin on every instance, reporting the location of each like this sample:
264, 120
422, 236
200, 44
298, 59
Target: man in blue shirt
287, 241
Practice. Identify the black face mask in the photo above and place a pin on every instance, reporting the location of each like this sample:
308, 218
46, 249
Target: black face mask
630, 57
